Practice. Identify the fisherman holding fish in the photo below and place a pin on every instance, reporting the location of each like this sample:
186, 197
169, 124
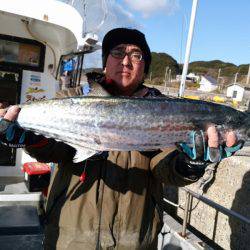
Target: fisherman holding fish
114, 199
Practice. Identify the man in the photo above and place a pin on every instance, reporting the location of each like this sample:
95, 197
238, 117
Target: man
112, 200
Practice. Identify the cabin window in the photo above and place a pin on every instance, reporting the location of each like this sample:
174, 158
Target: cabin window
21, 53
69, 70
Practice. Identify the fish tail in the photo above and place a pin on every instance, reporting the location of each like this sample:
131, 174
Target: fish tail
246, 125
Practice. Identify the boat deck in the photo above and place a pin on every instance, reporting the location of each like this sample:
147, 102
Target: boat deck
20, 226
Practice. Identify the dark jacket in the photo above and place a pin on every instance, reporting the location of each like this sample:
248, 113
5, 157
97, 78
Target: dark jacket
118, 206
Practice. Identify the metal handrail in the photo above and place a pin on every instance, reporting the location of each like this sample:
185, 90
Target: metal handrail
209, 202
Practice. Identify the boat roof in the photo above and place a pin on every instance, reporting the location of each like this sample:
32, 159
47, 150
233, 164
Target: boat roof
52, 21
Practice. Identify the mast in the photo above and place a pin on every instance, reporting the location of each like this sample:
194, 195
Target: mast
188, 48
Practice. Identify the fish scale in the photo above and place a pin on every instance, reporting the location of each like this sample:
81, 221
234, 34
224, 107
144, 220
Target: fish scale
110, 123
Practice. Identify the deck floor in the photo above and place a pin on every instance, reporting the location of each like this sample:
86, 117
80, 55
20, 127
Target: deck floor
20, 228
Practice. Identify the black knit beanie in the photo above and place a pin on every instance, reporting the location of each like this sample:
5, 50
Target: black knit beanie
125, 36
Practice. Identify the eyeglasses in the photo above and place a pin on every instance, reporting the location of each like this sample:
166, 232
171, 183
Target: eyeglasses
135, 56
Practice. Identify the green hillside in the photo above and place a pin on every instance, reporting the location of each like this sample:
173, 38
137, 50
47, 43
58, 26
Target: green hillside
159, 63
212, 67
162, 60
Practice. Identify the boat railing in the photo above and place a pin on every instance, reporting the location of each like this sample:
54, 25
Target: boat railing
187, 208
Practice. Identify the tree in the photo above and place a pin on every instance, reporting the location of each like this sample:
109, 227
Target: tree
159, 63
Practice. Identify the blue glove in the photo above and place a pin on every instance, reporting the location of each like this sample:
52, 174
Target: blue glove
192, 160
12, 135
199, 150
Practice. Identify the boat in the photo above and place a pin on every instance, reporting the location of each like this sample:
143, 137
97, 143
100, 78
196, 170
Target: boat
40, 42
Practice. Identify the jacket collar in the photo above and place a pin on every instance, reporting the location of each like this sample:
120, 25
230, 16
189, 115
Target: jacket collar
100, 78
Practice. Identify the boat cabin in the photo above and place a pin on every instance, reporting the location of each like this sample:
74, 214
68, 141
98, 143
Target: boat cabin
39, 41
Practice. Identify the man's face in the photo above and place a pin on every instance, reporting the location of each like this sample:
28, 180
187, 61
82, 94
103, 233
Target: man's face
127, 72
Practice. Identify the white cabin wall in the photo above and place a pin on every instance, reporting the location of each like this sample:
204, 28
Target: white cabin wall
50, 85
48, 82
11, 25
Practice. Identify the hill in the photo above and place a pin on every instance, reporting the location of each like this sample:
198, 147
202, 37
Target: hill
162, 60
159, 63
227, 69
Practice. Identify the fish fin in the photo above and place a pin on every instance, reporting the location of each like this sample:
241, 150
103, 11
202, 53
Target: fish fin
82, 153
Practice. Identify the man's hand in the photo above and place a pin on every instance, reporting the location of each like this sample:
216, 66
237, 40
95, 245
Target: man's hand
10, 114
193, 159
12, 135
213, 137
208, 148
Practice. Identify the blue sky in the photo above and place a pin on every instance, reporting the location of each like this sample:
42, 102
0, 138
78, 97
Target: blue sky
222, 29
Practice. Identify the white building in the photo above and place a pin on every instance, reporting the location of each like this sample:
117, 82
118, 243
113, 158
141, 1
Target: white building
190, 77
208, 84
193, 77
235, 91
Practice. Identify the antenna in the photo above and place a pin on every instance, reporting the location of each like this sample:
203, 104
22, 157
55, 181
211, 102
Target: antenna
82, 7
84, 28
105, 14
90, 37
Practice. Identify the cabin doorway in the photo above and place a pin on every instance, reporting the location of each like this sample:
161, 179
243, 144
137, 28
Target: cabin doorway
10, 90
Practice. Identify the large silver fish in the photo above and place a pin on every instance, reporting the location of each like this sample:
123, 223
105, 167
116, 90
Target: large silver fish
110, 123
